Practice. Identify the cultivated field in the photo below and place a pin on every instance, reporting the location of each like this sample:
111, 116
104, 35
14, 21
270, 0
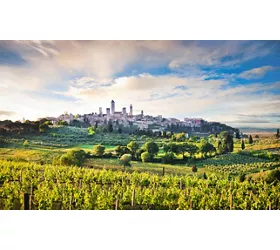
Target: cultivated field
29, 176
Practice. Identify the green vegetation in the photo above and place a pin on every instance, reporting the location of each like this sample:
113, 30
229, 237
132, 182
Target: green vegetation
98, 150
250, 139
59, 187
71, 158
220, 157
225, 144
26, 144
125, 160
242, 145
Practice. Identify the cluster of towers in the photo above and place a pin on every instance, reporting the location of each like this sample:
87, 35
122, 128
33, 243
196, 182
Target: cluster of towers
112, 111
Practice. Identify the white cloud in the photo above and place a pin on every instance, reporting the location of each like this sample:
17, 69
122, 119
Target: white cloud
256, 72
95, 64
195, 97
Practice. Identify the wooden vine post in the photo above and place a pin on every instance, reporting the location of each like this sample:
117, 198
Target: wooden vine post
26, 201
133, 198
117, 204
163, 170
70, 203
230, 202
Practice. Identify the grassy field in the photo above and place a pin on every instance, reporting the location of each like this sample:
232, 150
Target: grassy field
42, 149
156, 168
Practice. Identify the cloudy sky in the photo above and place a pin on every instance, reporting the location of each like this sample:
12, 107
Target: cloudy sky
235, 82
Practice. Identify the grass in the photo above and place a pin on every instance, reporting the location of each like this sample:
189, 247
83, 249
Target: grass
89, 147
62, 139
155, 168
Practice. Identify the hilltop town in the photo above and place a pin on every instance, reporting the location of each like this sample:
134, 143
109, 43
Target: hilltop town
129, 122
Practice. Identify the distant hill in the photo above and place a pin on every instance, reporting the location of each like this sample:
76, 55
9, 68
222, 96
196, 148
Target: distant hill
256, 130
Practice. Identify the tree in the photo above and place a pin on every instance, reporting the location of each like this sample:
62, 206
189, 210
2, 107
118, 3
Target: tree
74, 157
121, 150
151, 147
168, 134
91, 131
125, 160
194, 169
237, 135
242, 145
119, 130
63, 123
110, 127
187, 147
43, 127
145, 157
168, 157
206, 147
257, 136
278, 134
133, 146
26, 144
98, 150
225, 144
250, 139
179, 137
139, 152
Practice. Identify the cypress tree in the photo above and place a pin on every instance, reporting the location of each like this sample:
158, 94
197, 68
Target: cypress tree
250, 139
242, 145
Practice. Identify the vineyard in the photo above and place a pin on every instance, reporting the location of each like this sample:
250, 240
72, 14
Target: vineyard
32, 186
62, 136
228, 159
236, 169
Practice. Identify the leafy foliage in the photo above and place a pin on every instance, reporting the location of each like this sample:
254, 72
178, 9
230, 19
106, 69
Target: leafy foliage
87, 189
98, 150
151, 147
125, 160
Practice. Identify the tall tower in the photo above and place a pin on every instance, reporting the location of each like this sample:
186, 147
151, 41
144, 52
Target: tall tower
107, 112
124, 112
112, 107
130, 110
142, 113
100, 111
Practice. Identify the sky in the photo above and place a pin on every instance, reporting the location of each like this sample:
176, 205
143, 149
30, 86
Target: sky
233, 82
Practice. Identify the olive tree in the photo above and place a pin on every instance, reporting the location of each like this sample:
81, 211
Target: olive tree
125, 160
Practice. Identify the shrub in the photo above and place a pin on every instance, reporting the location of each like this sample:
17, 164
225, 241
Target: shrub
107, 155
242, 177
98, 150
121, 150
273, 176
146, 157
194, 169
26, 143
205, 176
